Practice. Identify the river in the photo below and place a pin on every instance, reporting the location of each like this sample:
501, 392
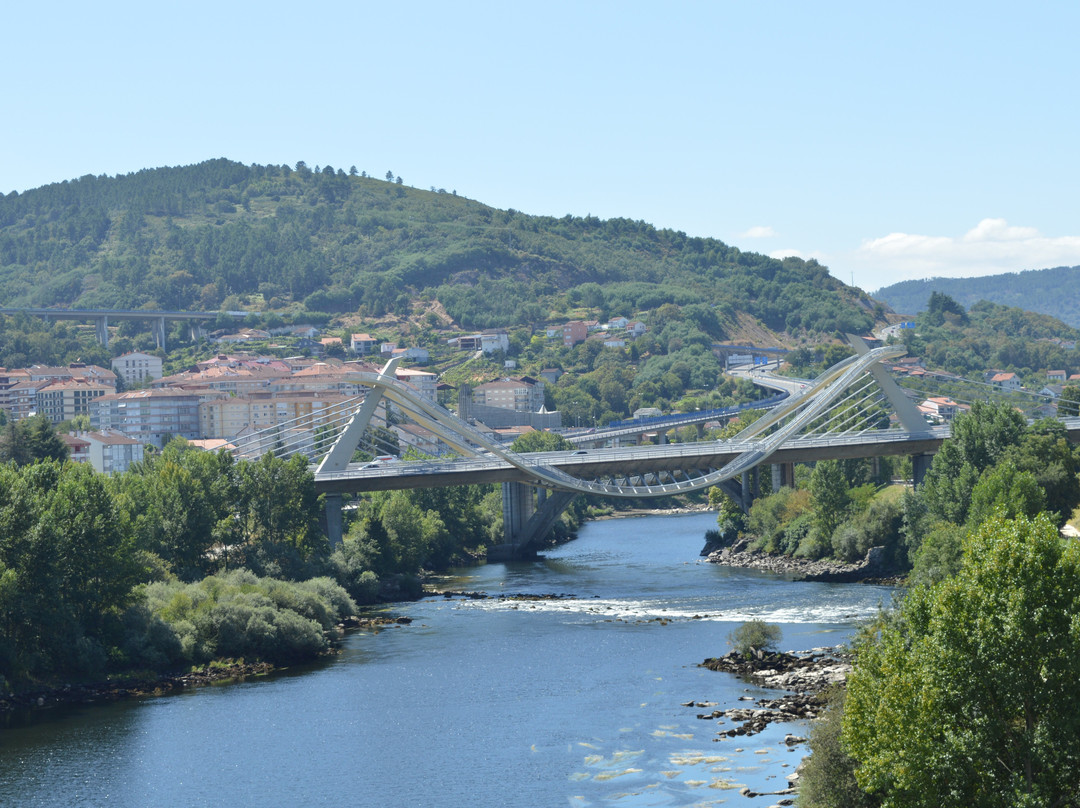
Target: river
496, 702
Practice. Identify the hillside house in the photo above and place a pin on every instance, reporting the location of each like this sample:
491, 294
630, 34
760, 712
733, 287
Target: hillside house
574, 332
1006, 381
362, 344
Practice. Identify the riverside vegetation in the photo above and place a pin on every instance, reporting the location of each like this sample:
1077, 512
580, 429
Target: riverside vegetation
995, 461
192, 556
963, 694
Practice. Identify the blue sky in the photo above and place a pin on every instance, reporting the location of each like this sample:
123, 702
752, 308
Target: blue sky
887, 141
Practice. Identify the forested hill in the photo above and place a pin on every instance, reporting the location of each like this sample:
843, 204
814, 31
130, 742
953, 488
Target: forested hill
1047, 291
220, 233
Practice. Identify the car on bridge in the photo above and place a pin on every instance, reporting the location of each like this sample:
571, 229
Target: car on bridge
381, 460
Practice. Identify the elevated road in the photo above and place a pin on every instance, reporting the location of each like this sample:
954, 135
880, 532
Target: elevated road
101, 318
624, 461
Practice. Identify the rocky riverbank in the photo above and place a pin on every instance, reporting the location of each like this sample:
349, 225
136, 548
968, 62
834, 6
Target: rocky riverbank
135, 687
142, 686
871, 569
806, 675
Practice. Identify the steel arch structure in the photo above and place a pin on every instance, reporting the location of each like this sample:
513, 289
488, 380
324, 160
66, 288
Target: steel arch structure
761, 439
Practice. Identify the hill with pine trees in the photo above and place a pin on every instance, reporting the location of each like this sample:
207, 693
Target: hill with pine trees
223, 235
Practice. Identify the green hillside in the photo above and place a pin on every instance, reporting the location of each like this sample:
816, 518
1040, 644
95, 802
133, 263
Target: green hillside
1047, 291
222, 234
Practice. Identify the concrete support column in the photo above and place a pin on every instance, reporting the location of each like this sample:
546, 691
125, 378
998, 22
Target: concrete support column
746, 498
700, 431
517, 502
334, 519
101, 326
777, 476
159, 332
920, 464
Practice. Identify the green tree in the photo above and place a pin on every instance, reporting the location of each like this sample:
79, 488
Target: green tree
279, 517
755, 635
30, 440
941, 307
539, 441
980, 439
1007, 492
828, 774
968, 697
1069, 403
829, 488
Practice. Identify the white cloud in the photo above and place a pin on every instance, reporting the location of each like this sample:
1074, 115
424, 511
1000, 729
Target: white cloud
788, 253
759, 231
991, 247
793, 253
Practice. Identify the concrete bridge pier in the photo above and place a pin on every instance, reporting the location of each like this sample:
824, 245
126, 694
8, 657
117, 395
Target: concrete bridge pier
335, 522
920, 464
528, 515
159, 332
783, 474
101, 329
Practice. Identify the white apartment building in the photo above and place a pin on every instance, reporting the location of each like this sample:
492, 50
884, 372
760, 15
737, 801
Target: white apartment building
112, 452
136, 367
425, 383
150, 416
523, 395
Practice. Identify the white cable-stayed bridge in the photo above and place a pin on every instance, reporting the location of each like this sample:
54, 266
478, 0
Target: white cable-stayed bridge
854, 409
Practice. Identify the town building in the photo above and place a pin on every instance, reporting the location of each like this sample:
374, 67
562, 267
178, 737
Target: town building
227, 417
488, 342
524, 395
113, 452
1006, 381
150, 416
78, 448
135, 367
63, 400
574, 332
422, 381
362, 344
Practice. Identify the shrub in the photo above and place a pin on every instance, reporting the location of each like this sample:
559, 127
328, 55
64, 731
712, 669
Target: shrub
236, 614
755, 635
828, 775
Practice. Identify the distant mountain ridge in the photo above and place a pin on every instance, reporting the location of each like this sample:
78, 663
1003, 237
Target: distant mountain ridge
1047, 291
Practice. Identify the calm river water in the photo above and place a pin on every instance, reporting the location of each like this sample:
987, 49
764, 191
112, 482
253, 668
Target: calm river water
491, 702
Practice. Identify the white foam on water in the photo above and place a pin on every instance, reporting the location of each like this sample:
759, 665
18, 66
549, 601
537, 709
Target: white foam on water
644, 610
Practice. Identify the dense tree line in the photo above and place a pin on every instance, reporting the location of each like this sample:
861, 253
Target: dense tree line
186, 557
991, 336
